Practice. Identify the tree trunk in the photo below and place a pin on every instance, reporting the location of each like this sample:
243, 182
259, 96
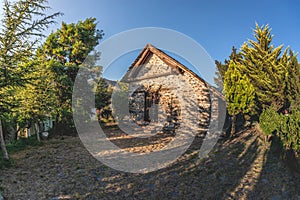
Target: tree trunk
37, 131
12, 132
3, 147
16, 134
232, 125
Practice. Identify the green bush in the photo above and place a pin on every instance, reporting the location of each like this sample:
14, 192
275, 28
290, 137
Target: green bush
269, 121
287, 127
22, 144
289, 130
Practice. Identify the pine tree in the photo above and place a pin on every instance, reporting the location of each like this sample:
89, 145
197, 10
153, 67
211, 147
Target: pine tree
67, 49
22, 26
36, 99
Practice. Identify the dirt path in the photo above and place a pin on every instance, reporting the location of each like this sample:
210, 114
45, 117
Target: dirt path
239, 168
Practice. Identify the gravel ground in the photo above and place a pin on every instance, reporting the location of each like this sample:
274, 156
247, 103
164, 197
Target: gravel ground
238, 168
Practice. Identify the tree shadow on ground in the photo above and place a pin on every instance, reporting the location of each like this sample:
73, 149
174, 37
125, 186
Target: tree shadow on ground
277, 175
235, 169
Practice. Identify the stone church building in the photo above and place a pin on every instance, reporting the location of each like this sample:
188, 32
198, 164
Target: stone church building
166, 93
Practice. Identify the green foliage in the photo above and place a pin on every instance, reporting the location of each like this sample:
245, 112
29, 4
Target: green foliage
239, 92
264, 67
292, 80
71, 44
21, 29
287, 127
18, 39
274, 75
65, 50
37, 98
263, 81
222, 68
23, 143
289, 130
103, 94
269, 121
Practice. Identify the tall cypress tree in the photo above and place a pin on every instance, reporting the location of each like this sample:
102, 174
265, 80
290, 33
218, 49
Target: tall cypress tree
222, 68
292, 81
239, 93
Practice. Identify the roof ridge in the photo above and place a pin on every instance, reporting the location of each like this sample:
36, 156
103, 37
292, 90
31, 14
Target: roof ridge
167, 59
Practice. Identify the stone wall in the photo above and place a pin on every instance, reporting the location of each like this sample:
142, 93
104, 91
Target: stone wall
188, 94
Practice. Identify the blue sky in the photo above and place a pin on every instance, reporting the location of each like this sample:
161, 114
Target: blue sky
216, 25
